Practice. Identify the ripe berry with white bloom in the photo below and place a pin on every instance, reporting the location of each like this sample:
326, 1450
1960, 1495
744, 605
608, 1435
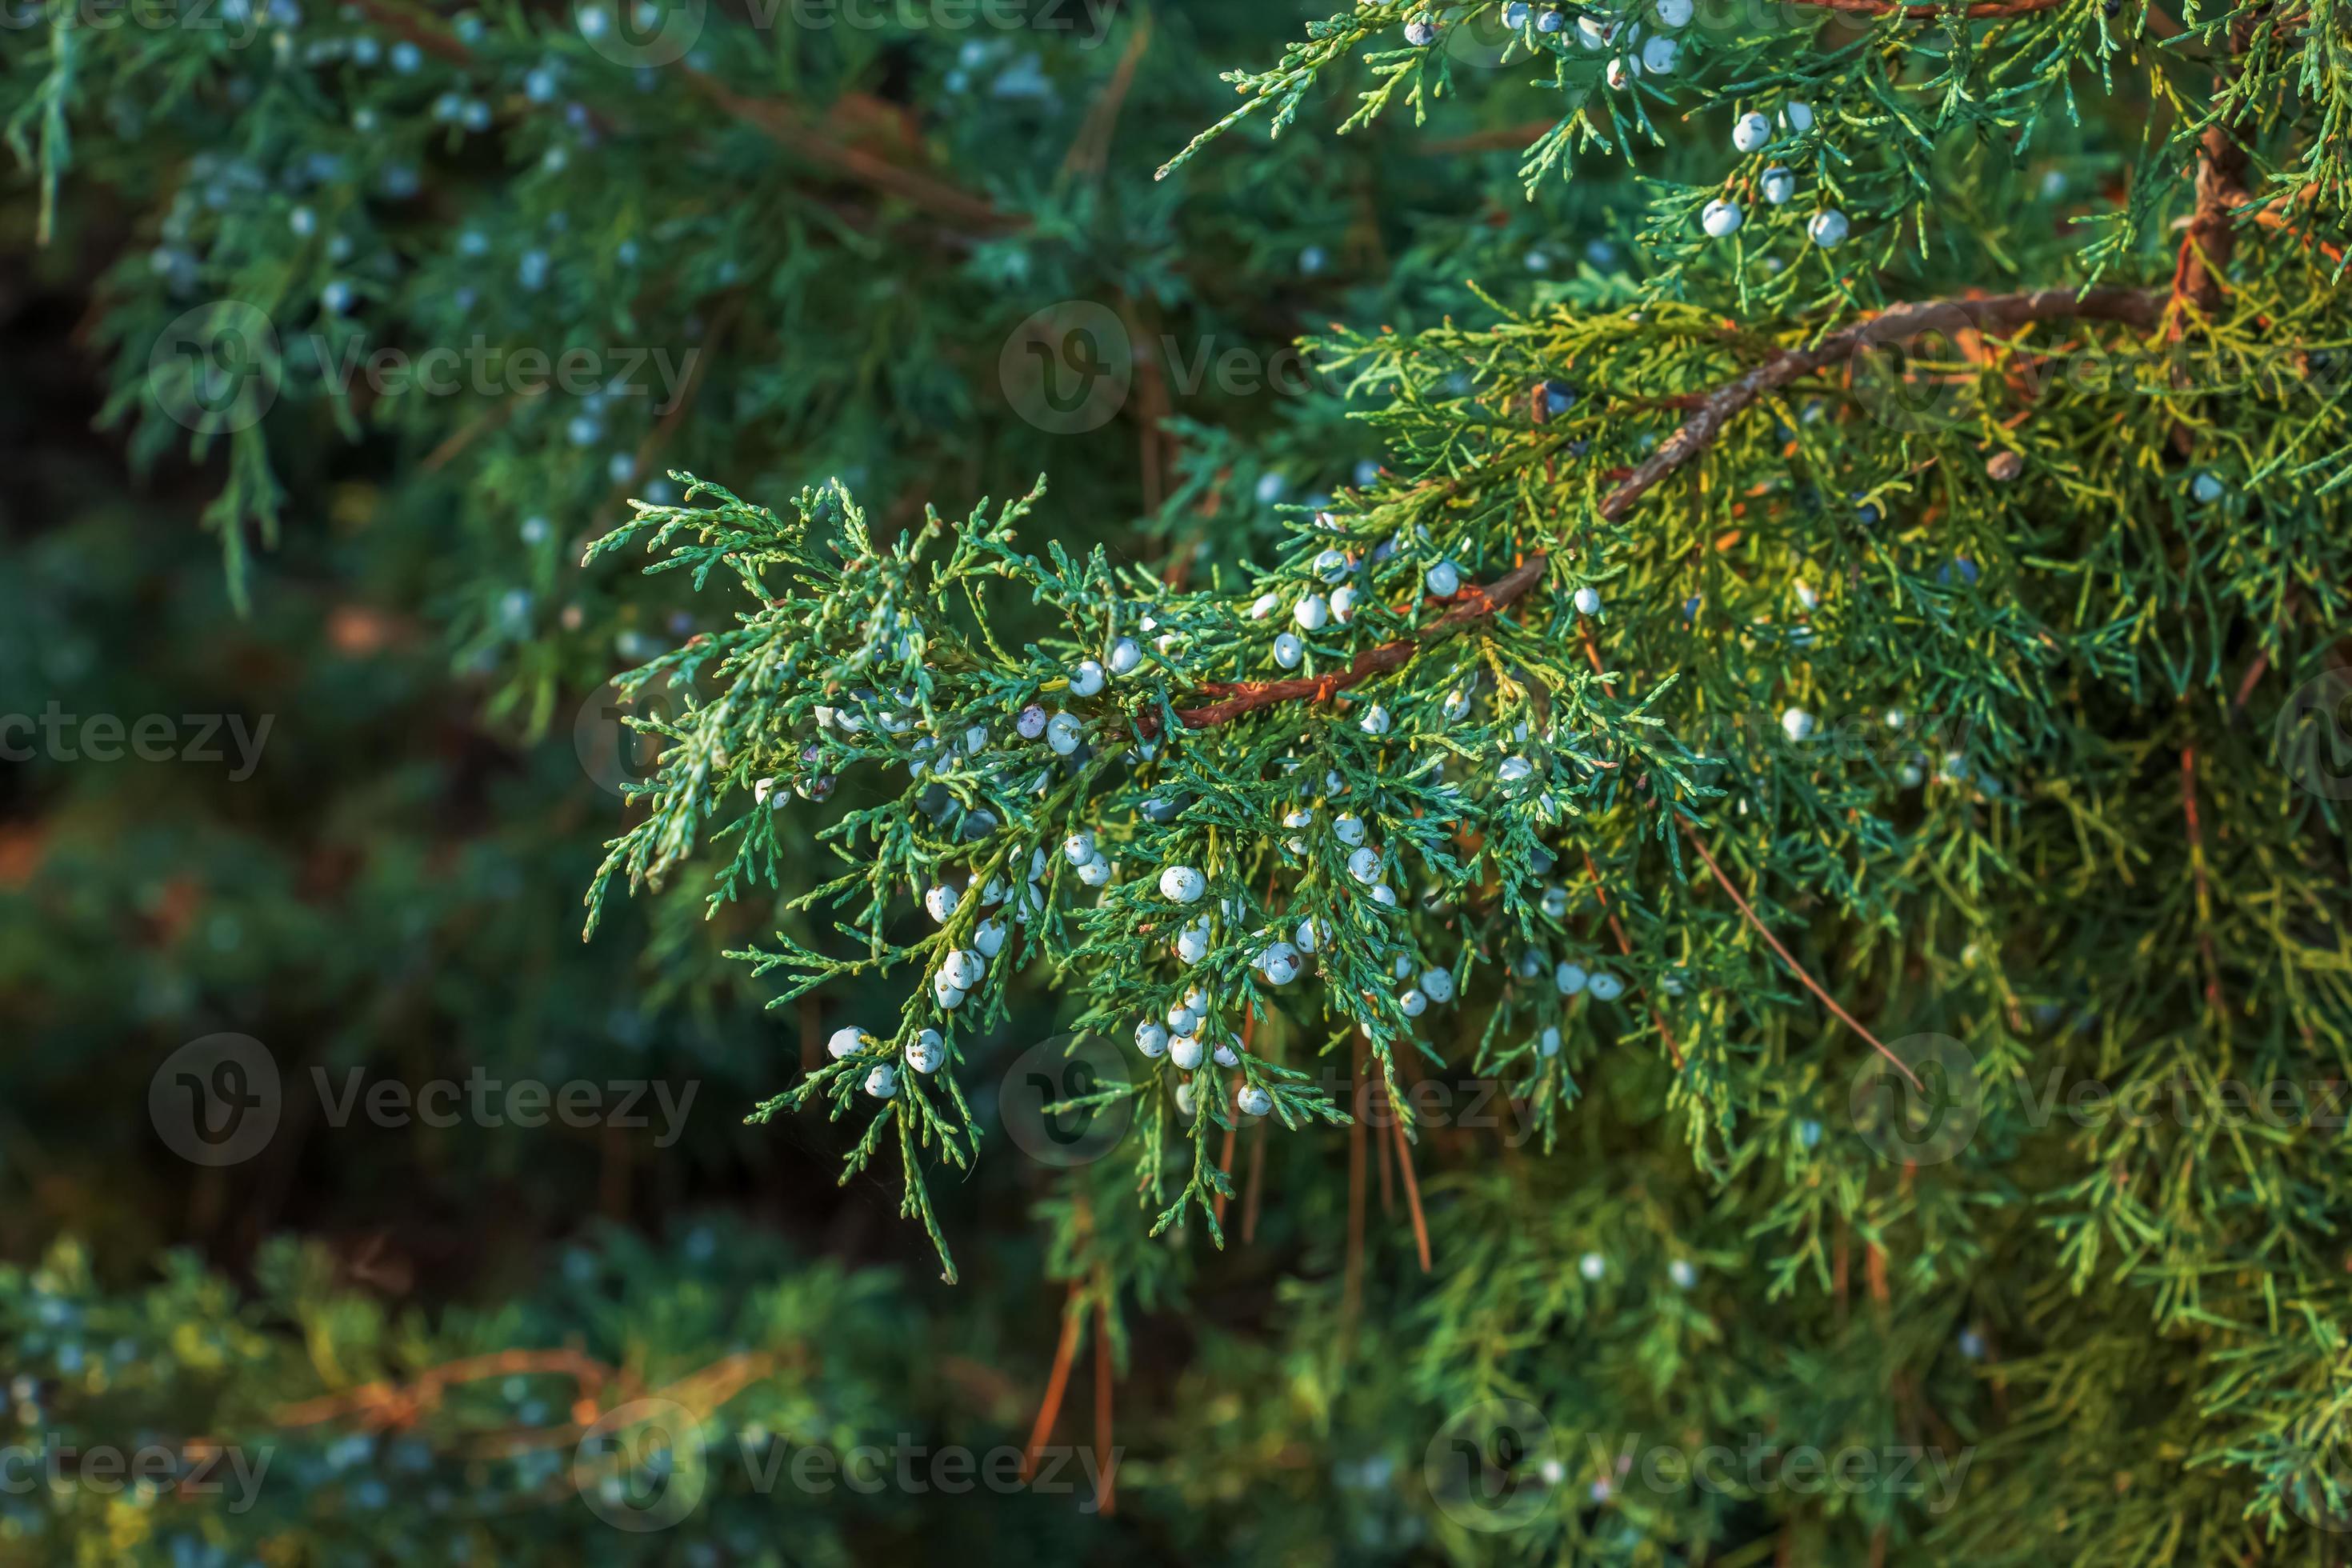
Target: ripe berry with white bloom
1364, 864
1437, 984
941, 902
1181, 1019
883, 1081
1254, 1101
1349, 829
1311, 611
1031, 722
1681, 1272
946, 994
1263, 607
1549, 1043
1224, 1056
1299, 817
1413, 1003
1515, 769
1592, 1266
845, 1042
963, 969
1086, 678
1095, 872
1555, 903
1184, 1050
1421, 32
989, 938
1658, 55
1150, 1038
1607, 987
1182, 884
1444, 580
928, 1051
1343, 603
1568, 978
1673, 13
1383, 894
1376, 721
1193, 944
1288, 650
1062, 733
1307, 936
1457, 703
1125, 655
1828, 227
1720, 218
1587, 601
2206, 489
1798, 116
1551, 21
1751, 132
1278, 963
1330, 565
1797, 725
1778, 185
1078, 847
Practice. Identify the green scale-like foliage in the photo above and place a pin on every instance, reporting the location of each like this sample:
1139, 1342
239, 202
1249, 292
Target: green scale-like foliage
1976, 669
1957, 687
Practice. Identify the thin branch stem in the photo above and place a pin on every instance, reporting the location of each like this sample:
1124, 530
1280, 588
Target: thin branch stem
1789, 958
2135, 307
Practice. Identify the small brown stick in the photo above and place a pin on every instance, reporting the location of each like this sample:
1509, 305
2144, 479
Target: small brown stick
1900, 323
1352, 1297
2197, 869
1387, 1160
1412, 1193
1626, 948
1237, 698
1252, 1187
1107, 1500
389, 1403
1056, 1385
1790, 959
